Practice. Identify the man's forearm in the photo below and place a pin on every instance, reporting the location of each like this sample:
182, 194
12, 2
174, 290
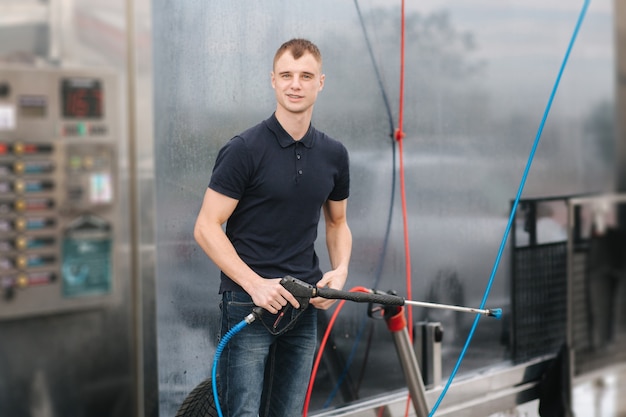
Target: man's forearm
339, 243
220, 250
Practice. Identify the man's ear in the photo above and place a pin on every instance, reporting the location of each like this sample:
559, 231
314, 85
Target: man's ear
322, 78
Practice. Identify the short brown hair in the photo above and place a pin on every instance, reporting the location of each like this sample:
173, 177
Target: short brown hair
298, 47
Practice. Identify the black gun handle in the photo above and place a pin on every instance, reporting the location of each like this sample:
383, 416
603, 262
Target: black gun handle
299, 289
361, 297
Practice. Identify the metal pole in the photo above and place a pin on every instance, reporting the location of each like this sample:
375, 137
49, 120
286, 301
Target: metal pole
494, 312
396, 322
135, 269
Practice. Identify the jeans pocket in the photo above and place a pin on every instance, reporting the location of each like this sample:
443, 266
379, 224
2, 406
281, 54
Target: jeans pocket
238, 299
236, 306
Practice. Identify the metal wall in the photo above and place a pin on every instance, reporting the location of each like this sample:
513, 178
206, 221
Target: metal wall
620, 59
478, 77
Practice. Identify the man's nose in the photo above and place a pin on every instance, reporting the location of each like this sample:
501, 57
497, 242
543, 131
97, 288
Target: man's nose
295, 83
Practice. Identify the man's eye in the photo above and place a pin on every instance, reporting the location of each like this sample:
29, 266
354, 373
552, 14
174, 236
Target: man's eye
286, 75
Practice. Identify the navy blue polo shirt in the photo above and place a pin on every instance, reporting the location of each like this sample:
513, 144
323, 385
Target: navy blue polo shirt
281, 185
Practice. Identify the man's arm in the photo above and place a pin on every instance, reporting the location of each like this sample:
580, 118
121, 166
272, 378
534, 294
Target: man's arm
339, 243
215, 211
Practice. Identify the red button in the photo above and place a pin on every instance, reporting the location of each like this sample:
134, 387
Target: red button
4, 149
30, 148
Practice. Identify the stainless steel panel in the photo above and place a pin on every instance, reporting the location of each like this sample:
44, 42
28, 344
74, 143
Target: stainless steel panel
478, 394
83, 362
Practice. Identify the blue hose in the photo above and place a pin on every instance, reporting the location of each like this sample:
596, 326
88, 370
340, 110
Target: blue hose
218, 352
514, 208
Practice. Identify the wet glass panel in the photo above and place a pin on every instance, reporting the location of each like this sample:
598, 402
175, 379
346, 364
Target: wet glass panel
478, 77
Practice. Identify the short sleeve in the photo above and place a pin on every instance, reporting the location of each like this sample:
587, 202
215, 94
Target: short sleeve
341, 191
231, 172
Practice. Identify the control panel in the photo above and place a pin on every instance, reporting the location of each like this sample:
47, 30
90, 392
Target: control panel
58, 189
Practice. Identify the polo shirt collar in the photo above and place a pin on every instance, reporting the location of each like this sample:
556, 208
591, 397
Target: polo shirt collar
284, 138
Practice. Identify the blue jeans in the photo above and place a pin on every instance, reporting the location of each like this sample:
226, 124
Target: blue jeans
261, 374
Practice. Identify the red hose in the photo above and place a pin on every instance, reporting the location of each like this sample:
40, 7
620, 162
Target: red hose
399, 135
322, 346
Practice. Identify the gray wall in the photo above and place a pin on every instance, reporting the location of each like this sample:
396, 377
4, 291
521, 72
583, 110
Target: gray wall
478, 77
620, 58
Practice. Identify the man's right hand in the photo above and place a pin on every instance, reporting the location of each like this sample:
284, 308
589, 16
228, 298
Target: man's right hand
271, 295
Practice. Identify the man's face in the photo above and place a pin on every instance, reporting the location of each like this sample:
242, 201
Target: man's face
296, 82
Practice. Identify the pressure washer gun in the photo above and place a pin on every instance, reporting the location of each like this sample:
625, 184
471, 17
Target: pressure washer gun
396, 323
303, 292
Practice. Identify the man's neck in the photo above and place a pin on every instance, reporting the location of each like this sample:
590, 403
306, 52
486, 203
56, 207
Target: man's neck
296, 124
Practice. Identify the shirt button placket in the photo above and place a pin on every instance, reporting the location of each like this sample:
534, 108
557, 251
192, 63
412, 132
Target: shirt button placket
299, 170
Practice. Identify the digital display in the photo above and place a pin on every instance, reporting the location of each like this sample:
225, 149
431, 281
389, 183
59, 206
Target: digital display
82, 98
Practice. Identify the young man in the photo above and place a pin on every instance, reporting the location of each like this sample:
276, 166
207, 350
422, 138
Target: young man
270, 185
